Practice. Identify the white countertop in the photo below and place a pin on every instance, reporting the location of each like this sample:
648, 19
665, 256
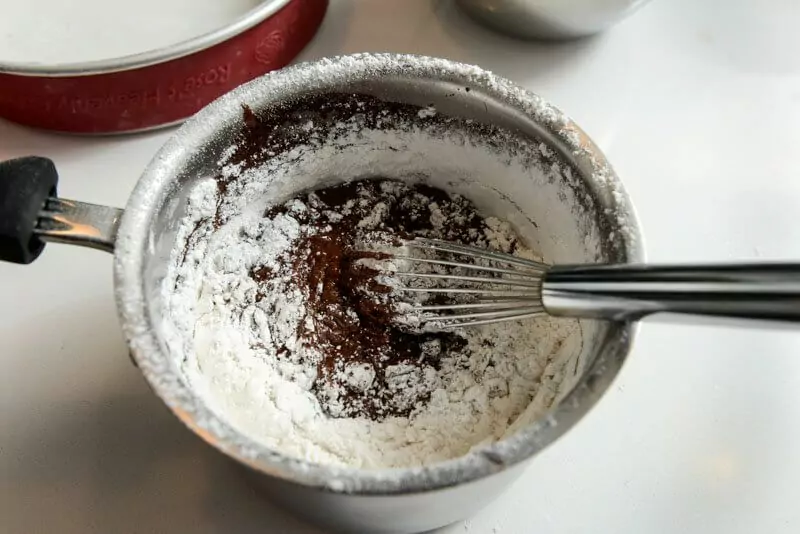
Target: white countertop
697, 104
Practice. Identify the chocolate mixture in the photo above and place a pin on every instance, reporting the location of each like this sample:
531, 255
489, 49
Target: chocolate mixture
349, 317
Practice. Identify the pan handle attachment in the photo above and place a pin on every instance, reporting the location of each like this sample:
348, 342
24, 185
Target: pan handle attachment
31, 213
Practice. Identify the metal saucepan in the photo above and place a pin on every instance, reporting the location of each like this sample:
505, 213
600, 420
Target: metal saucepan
550, 19
159, 87
582, 216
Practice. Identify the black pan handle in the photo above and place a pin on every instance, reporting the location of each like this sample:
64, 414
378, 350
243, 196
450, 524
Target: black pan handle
25, 186
31, 213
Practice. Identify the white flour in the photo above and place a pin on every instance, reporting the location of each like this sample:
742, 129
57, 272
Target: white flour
236, 338
235, 358
71, 31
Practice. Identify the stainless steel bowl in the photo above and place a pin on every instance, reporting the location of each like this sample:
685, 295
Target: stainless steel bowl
550, 19
590, 212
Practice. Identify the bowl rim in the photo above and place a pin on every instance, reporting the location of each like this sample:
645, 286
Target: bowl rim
247, 20
134, 240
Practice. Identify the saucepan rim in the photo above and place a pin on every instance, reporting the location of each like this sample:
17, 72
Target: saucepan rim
134, 238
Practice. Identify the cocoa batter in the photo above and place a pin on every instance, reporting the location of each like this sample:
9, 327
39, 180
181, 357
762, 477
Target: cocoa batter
350, 317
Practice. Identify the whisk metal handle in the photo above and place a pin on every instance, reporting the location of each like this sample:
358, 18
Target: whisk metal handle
628, 292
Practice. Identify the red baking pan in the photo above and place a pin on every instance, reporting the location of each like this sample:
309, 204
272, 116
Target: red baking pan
159, 87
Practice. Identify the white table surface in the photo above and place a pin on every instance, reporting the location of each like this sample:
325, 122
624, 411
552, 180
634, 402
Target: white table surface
697, 104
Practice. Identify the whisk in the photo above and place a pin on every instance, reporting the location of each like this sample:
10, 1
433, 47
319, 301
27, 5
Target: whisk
477, 286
